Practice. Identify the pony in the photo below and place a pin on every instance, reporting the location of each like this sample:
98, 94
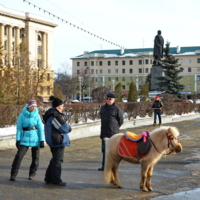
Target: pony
164, 141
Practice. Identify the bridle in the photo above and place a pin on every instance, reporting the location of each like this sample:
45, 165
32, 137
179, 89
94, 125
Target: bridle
169, 138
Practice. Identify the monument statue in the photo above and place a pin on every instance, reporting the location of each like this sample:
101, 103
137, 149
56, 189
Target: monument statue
158, 48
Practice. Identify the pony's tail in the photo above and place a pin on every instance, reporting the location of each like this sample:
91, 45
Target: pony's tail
108, 165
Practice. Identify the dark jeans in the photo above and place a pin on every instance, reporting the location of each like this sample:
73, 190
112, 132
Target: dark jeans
159, 116
103, 149
53, 172
20, 155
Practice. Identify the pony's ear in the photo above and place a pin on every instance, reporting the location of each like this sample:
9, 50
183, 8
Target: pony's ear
169, 131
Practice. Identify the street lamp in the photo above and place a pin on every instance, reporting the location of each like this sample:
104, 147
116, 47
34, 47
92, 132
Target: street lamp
80, 79
113, 82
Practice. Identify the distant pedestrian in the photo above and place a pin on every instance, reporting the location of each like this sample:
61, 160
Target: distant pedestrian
111, 120
56, 130
157, 106
29, 134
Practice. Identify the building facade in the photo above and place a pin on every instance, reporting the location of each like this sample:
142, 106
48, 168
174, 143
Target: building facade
36, 32
109, 67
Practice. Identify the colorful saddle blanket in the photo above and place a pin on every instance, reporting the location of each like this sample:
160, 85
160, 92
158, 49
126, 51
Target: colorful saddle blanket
134, 145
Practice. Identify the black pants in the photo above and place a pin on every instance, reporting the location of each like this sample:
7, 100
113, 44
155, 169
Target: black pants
157, 113
20, 155
103, 149
53, 172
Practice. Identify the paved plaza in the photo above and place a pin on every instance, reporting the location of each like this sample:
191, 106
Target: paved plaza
173, 174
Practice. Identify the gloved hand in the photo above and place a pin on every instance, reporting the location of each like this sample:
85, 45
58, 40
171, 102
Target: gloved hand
70, 129
41, 144
17, 144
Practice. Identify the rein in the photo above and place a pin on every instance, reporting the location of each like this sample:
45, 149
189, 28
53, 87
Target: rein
169, 142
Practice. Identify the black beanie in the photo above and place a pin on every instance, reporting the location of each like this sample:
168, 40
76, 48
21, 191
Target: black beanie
111, 95
55, 101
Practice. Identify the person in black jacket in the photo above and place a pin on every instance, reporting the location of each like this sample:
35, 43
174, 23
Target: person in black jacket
56, 135
157, 106
111, 120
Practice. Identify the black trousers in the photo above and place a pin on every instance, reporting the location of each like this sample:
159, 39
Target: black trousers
35, 151
53, 172
103, 149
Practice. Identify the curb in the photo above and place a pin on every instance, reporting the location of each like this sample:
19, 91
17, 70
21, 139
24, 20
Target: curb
93, 128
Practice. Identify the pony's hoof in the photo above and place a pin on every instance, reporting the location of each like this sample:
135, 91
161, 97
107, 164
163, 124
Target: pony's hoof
145, 190
150, 189
119, 186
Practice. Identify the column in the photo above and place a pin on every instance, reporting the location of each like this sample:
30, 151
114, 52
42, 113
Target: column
44, 50
9, 51
2, 34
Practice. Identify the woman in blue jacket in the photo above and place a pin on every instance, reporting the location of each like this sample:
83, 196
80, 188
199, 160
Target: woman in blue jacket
56, 136
29, 134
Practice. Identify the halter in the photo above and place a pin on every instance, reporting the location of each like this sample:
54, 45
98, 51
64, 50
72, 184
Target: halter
169, 142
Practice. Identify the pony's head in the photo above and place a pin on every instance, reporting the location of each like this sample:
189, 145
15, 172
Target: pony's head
170, 136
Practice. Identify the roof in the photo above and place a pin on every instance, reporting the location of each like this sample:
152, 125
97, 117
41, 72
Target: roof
193, 50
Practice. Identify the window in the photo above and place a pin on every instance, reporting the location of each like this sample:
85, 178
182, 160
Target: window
78, 72
86, 71
180, 61
146, 61
198, 60
109, 86
130, 62
198, 78
151, 61
5, 30
189, 87
140, 62
39, 63
130, 71
116, 62
140, 87
139, 79
109, 79
92, 71
48, 90
189, 69
198, 87
189, 78
198, 69
146, 70
78, 64
123, 78
85, 63
48, 76
13, 32
101, 79
140, 70
131, 79
92, 63
123, 71
109, 71
41, 90
116, 71
100, 71
96, 80
100, 63
189, 60
116, 78
41, 76
123, 87
39, 49
5, 45
123, 62
109, 62
13, 46
96, 71
38, 36
21, 32
96, 63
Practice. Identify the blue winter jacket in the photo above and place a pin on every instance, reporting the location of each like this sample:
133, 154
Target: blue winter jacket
56, 128
30, 138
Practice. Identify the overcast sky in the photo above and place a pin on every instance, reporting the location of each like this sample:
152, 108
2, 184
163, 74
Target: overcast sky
129, 23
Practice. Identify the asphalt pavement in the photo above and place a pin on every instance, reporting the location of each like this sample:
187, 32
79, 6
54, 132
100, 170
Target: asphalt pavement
172, 174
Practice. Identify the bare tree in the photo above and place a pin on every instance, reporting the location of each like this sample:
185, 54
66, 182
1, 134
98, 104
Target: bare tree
99, 93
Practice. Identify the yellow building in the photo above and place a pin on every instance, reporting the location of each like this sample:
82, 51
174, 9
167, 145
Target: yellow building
36, 32
109, 67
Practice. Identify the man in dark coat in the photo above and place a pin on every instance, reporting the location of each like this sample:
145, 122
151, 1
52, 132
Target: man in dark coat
157, 106
158, 48
111, 120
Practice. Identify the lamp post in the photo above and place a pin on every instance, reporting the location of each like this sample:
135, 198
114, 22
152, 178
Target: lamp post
113, 82
80, 79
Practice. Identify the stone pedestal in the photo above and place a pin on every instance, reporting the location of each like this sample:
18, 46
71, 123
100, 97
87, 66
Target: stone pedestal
156, 71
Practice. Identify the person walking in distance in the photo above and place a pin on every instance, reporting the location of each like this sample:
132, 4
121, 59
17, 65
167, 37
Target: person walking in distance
56, 135
111, 120
29, 134
157, 106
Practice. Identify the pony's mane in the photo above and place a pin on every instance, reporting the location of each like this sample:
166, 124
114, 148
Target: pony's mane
174, 130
